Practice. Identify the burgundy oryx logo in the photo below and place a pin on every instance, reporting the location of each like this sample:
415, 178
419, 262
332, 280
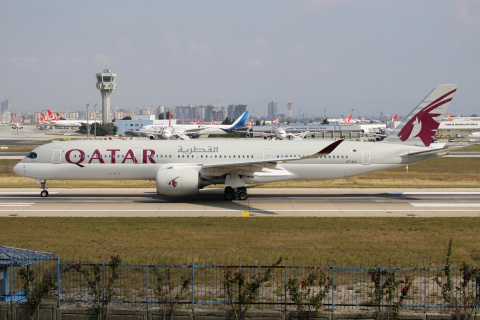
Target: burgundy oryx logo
174, 182
423, 124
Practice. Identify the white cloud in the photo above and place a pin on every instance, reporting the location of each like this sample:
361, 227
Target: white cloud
171, 40
263, 43
467, 17
123, 44
255, 63
24, 62
317, 7
199, 48
103, 60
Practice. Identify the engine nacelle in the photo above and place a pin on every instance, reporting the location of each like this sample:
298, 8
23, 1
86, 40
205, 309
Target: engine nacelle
178, 182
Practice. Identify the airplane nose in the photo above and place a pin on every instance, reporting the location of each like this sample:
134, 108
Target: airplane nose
19, 168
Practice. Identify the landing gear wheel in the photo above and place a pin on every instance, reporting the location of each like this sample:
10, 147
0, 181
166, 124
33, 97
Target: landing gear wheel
242, 194
229, 193
44, 194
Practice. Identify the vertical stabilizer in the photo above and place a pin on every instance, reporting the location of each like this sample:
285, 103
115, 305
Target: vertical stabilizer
422, 123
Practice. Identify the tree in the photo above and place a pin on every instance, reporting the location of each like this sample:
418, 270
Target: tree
227, 121
127, 118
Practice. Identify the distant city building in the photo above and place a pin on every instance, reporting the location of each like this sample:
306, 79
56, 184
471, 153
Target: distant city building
272, 110
236, 110
7, 116
72, 115
4, 106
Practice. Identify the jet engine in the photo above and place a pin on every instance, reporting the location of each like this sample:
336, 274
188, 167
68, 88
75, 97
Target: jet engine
179, 182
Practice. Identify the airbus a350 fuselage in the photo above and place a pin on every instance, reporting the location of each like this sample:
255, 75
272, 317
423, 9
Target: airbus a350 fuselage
182, 167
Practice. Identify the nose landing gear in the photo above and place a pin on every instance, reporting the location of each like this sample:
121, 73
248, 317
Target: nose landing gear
43, 185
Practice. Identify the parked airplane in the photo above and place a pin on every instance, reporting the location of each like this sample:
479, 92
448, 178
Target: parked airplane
348, 120
278, 133
155, 131
181, 168
474, 135
16, 126
54, 121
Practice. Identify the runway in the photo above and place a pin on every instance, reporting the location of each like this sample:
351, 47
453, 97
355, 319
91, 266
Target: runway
262, 202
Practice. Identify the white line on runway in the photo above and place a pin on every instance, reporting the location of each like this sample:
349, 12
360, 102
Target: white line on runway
26, 192
239, 210
446, 204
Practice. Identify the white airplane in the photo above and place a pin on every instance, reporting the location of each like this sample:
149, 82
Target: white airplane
347, 121
182, 168
185, 131
54, 121
160, 131
278, 133
474, 135
16, 126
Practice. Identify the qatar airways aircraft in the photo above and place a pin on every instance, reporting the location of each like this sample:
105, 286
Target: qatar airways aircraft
183, 167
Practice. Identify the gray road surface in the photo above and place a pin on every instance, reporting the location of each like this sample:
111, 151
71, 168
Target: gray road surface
261, 203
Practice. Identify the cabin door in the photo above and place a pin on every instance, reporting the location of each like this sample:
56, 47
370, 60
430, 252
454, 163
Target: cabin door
267, 154
57, 153
365, 156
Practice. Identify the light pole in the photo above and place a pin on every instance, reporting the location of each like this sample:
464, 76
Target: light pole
88, 124
95, 120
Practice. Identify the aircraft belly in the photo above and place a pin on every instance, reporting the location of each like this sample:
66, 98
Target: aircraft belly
90, 172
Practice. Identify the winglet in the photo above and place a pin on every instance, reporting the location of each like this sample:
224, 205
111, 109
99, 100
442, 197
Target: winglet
325, 151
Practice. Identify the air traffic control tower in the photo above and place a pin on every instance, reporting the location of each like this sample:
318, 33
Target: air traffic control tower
106, 83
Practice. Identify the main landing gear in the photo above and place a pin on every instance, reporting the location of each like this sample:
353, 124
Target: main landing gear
235, 193
43, 185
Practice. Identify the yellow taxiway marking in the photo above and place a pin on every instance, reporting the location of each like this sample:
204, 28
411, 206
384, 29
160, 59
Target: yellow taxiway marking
245, 213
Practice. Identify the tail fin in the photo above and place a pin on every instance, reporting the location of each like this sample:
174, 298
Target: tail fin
394, 118
44, 118
420, 126
347, 121
52, 116
239, 124
449, 118
196, 121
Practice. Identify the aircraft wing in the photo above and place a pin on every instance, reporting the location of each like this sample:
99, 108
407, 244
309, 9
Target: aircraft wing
248, 163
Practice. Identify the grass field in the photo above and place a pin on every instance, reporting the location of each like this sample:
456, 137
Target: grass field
343, 241
347, 241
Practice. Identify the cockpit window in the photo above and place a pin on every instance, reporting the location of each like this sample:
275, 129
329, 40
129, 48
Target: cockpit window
32, 155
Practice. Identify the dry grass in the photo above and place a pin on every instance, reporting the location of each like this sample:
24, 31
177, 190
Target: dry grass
343, 241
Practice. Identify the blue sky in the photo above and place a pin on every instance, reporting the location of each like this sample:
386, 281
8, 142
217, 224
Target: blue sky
371, 56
